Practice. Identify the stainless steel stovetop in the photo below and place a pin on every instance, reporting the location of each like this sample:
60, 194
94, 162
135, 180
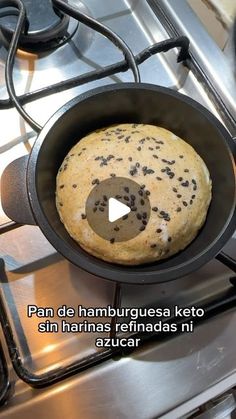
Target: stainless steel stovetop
165, 379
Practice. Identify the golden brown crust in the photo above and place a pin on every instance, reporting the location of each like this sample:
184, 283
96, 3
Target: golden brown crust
179, 183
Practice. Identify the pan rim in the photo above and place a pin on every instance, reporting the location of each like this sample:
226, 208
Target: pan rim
121, 273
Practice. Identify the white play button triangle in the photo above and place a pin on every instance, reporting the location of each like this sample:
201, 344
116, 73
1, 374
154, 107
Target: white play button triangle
116, 210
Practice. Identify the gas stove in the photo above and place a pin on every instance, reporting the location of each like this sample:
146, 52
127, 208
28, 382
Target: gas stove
62, 374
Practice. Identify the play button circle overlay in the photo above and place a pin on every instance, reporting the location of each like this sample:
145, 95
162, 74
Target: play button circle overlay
118, 209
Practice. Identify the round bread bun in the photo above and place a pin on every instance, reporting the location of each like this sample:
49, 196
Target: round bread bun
179, 183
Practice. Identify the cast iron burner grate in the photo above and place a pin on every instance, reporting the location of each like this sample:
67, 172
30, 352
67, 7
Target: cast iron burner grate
4, 379
131, 62
46, 28
222, 302
212, 307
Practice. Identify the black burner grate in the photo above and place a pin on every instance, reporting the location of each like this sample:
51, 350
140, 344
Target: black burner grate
222, 302
4, 379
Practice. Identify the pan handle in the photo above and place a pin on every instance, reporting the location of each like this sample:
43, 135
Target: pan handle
14, 197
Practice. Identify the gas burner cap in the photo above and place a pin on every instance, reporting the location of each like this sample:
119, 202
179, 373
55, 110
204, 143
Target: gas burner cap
48, 28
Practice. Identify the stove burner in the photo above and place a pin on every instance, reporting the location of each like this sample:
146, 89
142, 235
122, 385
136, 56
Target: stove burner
48, 28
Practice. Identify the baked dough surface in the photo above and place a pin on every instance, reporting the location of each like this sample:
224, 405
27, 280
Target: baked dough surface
176, 176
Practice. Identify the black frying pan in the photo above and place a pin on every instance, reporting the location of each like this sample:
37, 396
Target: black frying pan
28, 184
